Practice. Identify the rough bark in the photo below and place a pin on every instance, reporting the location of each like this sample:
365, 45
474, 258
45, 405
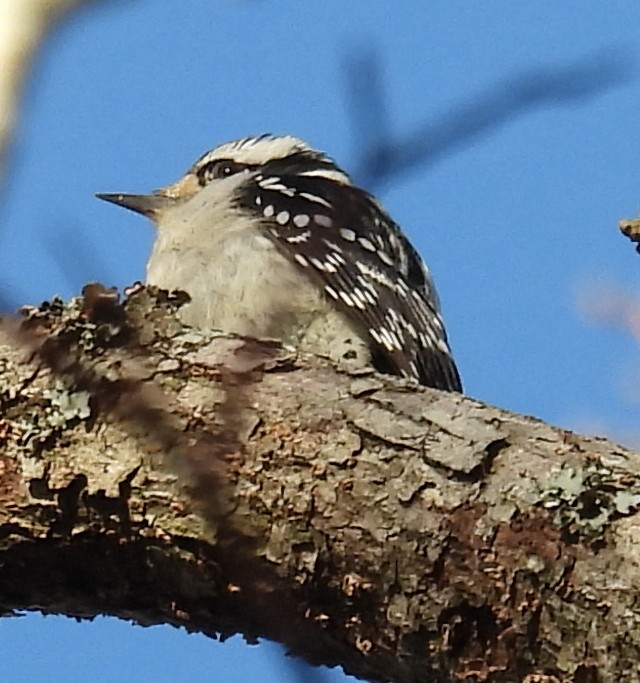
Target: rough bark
225, 485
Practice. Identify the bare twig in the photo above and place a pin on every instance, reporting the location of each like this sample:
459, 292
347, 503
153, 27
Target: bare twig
388, 156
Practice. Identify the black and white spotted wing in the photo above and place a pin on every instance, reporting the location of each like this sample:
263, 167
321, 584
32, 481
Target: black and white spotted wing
343, 240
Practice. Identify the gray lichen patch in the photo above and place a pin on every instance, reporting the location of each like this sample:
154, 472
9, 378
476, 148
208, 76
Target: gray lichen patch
586, 499
65, 403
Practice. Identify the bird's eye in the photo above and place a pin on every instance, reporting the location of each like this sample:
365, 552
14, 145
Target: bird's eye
220, 168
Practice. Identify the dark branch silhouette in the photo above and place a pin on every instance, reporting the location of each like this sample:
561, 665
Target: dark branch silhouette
388, 156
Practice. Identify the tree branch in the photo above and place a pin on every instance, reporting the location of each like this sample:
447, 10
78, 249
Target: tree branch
24, 24
163, 475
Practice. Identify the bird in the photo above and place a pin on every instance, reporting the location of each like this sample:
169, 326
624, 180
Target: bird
271, 238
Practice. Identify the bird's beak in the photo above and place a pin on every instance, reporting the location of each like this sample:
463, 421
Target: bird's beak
150, 205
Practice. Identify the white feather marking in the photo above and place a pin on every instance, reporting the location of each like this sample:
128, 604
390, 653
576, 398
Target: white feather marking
374, 333
385, 258
301, 220
315, 199
348, 234
322, 220
366, 244
300, 237
346, 298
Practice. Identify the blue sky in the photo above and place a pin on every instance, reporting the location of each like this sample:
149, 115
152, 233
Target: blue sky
518, 224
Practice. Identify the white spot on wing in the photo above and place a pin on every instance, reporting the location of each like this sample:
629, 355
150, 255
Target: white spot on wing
374, 333
386, 339
346, 298
301, 220
301, 260
385, 258
374, 274
333, 246
300, 237
268, 211
322, 220
390, 340
358, 298
441, 344
368, 297
282, 218
348, 234
366, 244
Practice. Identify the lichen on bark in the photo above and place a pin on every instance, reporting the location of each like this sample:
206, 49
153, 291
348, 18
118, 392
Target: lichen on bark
226, 485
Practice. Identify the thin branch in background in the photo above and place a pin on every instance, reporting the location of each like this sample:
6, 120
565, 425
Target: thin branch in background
387, 156
79, 260
306, 673
367, 101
